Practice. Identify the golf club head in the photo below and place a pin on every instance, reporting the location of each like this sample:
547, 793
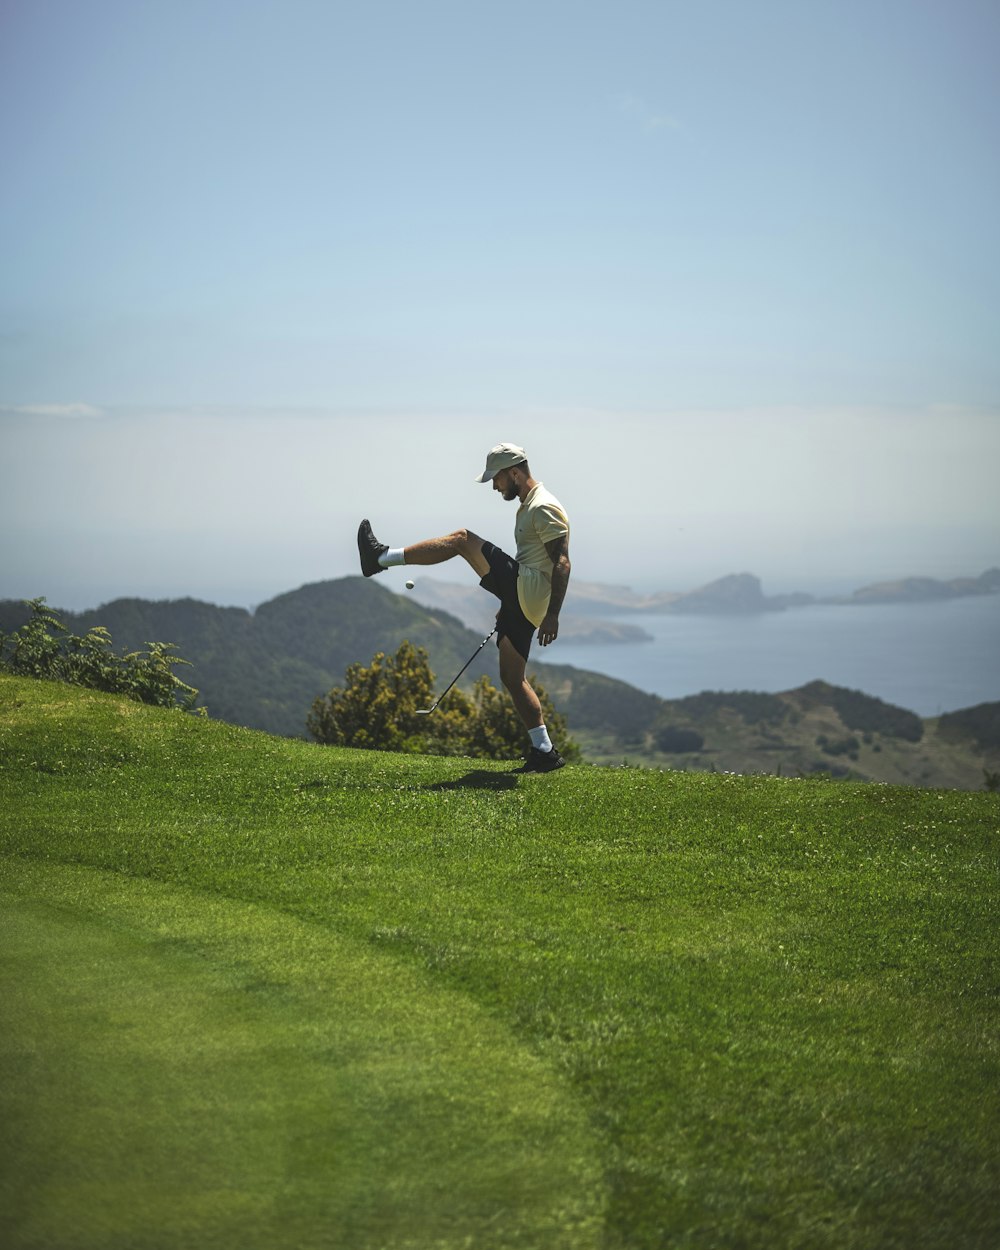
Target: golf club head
424, 711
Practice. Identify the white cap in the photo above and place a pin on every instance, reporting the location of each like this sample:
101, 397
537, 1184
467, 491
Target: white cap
503, 456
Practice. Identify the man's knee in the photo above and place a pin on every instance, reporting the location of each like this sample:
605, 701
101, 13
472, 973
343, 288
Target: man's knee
512, 665
465, 540
512, 680
470, 546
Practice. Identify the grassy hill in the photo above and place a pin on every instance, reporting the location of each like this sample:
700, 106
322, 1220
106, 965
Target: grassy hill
263, 670
258, 993
816, 728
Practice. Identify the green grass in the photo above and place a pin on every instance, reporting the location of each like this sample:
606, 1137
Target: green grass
257, 992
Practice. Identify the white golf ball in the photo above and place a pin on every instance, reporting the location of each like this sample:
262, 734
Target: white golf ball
409, 585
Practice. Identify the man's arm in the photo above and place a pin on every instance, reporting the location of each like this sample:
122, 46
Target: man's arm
558, 550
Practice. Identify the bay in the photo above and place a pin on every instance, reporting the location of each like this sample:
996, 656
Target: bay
929, 657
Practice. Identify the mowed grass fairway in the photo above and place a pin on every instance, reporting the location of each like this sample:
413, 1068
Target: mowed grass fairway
258, 993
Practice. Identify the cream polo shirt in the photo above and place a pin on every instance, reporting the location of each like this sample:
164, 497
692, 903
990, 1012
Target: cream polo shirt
539, 519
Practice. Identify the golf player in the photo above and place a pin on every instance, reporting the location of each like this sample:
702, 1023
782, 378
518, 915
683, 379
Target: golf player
531, 586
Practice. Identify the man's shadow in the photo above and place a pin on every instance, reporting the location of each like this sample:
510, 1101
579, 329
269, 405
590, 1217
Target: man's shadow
478, 779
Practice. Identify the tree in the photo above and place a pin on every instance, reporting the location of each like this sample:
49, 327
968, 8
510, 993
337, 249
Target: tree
44, 647
376, 709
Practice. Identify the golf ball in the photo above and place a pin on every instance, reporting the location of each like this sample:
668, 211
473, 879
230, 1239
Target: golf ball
409, 585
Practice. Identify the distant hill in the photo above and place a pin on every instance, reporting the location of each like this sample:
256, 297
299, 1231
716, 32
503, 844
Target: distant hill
741, 594
589, 603
264, 669
921, 589
981, 724
812, 729
477, 611
736, 594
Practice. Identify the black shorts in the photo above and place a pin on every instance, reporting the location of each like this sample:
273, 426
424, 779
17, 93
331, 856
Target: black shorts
501, 581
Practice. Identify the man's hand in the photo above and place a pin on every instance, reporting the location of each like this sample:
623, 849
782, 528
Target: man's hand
558, 549
548, 631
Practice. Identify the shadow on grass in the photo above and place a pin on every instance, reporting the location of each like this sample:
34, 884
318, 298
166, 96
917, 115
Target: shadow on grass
479, 779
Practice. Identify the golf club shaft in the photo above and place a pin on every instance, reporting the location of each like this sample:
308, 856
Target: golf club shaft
460, 671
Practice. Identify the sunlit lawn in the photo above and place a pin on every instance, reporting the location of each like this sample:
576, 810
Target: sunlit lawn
261, 993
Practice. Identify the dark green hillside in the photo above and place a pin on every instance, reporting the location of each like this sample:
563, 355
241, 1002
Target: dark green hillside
264, 669
980, 723
603, 706
754, 708
817, 728
862, 711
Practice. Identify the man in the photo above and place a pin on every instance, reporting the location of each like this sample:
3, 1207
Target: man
531, 587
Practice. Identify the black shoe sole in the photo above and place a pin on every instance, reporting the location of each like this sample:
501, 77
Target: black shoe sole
369, 549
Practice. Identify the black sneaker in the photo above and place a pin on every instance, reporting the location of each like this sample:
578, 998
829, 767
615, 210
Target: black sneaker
542, 761
369, 548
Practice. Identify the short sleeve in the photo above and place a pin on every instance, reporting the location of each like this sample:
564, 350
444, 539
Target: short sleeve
550, 522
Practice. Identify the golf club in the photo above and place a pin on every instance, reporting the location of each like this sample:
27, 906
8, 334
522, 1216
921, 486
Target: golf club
426, 711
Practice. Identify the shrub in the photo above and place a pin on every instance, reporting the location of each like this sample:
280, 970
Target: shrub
43, 647
497, 732
840, 746
377, 709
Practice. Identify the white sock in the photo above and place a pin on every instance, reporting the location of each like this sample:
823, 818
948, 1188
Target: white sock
389, 559
540, 738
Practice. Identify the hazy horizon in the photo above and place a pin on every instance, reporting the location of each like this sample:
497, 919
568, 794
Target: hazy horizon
729, 272
238, 508
251, 598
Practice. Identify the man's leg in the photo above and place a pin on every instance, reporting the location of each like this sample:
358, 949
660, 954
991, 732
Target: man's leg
436, 550
543, 757
512, 670
376, 557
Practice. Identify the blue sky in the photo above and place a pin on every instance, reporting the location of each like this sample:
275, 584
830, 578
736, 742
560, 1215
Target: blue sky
731, 268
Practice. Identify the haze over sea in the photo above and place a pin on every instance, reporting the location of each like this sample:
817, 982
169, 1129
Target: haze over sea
927, 657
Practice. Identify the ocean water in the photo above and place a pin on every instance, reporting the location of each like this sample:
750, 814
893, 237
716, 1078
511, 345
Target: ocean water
927, 657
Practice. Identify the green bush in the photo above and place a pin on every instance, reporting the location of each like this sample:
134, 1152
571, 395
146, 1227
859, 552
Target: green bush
496, 732
839, 746
44, 647
377, 708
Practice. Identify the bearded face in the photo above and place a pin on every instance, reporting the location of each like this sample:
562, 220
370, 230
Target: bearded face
506, 484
